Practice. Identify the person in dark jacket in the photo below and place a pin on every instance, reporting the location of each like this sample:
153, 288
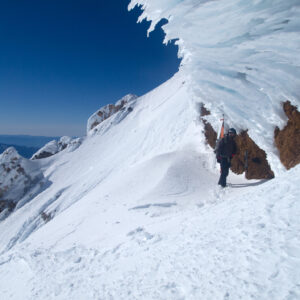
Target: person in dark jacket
226, 149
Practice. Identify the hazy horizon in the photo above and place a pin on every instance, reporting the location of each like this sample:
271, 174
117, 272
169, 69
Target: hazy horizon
62, 61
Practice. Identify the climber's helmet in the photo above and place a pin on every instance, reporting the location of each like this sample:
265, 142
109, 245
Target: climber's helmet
232, 132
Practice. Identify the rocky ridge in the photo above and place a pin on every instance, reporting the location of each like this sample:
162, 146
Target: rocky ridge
287, 140
19, 177
108, 110
251, 159
54, 147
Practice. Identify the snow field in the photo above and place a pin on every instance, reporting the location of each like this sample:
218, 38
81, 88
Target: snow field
136, 213
237, 246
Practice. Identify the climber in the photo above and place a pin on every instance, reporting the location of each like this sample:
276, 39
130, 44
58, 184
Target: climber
225, 151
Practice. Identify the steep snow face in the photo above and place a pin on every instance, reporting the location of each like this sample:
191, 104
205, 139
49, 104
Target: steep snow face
128, 150
18, 177
242, 58
108, 110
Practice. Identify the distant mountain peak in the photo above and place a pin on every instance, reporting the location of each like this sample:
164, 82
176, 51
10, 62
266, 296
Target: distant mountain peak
53, 147
18, 178
108, 110
10, 154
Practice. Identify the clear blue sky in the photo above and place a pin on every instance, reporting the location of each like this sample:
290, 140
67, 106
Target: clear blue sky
61, 60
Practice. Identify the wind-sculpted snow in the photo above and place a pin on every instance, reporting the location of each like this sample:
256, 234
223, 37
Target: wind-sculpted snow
242, 58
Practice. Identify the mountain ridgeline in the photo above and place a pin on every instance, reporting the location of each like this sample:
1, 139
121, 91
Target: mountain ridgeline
24, 151
20, 166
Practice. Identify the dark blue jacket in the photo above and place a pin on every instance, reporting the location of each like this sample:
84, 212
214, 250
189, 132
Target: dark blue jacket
226, 147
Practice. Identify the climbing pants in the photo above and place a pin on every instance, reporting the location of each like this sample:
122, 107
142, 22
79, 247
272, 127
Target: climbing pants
225, 165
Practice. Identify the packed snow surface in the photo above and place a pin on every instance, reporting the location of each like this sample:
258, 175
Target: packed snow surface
135, 212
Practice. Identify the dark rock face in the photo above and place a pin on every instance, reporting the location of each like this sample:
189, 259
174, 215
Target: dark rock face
257, 167
43, 154
108, 110
287, 140
9, 206
54, 147
210, 134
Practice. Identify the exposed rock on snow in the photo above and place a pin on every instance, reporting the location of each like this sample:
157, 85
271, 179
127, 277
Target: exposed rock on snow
48, 150
209, 132
107, 111
244, 63
54, 147
18, 176
258, 166
287, 140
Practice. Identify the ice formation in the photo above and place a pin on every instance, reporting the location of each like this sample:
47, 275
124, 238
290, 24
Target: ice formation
241, 57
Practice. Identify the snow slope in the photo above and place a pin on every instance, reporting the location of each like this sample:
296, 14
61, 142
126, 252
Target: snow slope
136, 214
238, 246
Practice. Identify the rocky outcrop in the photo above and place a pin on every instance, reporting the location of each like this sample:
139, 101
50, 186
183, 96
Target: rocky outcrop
18, 177
209, 132
107, 111
249, 159
287, 140
55, 147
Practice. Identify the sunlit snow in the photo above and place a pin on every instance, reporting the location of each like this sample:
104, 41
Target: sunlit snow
135, 212
242, 58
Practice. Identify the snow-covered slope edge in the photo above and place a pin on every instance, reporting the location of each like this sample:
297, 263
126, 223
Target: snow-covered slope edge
135, 212
242, 58
103, 160
239, 244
